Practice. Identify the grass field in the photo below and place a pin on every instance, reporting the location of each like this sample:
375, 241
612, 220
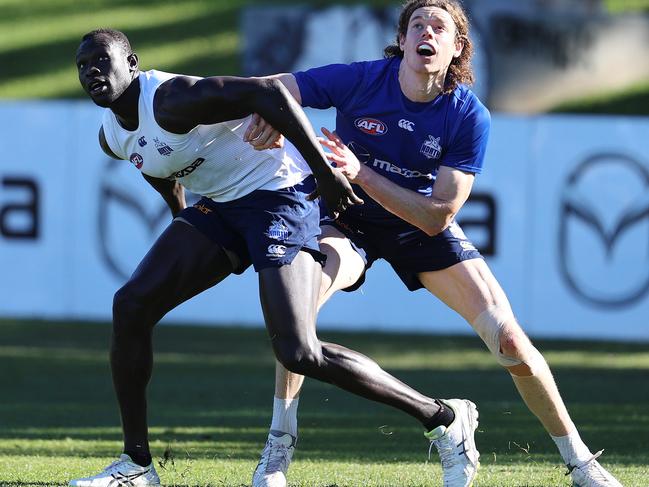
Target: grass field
210, 404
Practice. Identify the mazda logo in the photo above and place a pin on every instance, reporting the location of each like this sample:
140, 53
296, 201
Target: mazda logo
604, 231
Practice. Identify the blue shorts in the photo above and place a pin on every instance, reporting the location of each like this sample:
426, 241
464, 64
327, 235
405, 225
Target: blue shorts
407, 249
264, 228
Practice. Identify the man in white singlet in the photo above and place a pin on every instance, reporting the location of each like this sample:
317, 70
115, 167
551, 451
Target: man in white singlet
257, 208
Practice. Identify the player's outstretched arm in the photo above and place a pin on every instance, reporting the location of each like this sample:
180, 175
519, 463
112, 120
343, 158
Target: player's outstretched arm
430, 214
183, 103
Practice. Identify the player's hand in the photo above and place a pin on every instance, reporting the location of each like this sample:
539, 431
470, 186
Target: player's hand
336, 192
340, 155
261, 135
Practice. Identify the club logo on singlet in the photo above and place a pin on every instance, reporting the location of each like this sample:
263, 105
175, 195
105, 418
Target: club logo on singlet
431, 148
136, 159
371, 126
162, 147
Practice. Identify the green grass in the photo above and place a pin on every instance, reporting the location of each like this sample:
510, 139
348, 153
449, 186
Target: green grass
212, 390
625, 6
631, 101
38, 40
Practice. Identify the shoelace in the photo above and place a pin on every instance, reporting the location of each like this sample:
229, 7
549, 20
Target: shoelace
278, 459
593, 469
445, 453
113, 465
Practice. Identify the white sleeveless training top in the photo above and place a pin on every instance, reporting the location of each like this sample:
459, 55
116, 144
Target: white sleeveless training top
210, 160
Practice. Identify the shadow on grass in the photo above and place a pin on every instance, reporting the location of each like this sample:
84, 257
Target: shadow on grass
67, 408
47, 484
55, 56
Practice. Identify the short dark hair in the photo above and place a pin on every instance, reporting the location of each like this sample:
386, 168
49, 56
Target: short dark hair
114, 35
460, 70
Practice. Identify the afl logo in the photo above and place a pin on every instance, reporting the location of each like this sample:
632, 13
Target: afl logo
371, 126
136, 159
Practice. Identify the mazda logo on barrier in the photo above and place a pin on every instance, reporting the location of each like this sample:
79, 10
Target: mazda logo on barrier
604, 231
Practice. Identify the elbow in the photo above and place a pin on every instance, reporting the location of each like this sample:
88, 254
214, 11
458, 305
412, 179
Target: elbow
437, 225
270, 87
267, 94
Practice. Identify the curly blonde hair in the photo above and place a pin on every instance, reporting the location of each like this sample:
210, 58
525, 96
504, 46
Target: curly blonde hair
460, 71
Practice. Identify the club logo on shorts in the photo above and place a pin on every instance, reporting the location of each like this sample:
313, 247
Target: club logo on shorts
371, 126
431, 148
276, 251
136, 159
277, 230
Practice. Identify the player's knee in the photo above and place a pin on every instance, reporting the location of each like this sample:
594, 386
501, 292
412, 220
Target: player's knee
129, 311
513, 344
516, 346
506, 341
299, 358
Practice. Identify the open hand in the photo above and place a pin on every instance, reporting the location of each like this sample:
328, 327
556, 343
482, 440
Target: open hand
341, 156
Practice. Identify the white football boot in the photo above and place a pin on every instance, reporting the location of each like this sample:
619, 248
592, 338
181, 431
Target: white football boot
456, 444
275, 459
591, 474
122, 473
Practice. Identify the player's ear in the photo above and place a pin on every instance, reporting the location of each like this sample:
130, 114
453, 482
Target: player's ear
402, 42
459, 46
133, 62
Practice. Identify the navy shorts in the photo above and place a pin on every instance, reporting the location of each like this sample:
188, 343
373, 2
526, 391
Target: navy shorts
264, 228
407, 249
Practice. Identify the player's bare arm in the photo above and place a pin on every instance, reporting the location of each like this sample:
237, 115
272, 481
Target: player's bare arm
171, 191
430, 214
259, 132
184, 102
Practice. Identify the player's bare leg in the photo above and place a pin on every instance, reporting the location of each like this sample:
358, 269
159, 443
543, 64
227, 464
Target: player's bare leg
470, 288
289, 296
297, 346
182, 263
280, 445
335, 276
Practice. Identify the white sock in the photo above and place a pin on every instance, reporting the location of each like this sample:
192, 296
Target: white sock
285, 415
572, 448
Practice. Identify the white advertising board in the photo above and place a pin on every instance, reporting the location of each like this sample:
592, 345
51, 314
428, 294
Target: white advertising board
561, 211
